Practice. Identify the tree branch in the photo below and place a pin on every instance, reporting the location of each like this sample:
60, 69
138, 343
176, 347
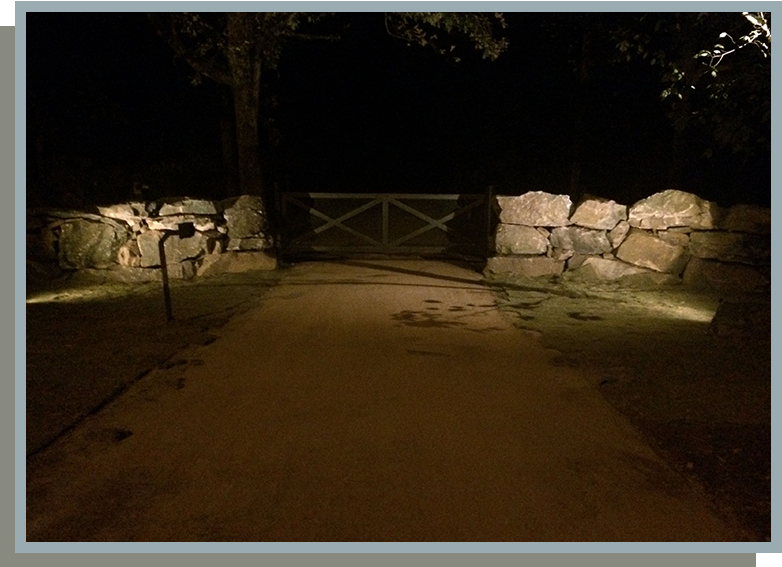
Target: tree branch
166, 29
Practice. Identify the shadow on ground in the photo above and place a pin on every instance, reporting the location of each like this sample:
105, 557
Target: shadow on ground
701, 399
86, 344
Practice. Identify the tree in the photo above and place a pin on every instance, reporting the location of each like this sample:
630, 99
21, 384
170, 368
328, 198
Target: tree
236, 49
720, 94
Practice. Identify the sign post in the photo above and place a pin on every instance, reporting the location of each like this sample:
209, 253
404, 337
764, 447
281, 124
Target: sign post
184, 230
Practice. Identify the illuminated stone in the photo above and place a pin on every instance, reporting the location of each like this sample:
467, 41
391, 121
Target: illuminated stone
148, 248
607, 270
173, 222
519, 239
186, 206
536, 208
576, 260
599, 214
643, 249
129, 254
86, 244
559, 253
581, 240
672, 237
245, 216
674, 208
617, 235
125, 211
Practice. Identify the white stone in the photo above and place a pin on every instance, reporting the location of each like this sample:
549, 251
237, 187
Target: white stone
643, 249
599, 214
581, 240
536, 208
519, 239
673, 208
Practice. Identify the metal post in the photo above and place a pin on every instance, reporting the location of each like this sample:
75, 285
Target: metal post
164, 274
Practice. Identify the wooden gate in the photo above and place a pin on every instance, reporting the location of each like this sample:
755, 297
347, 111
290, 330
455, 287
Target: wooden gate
384, 223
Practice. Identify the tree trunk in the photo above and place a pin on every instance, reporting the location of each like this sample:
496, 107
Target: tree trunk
228, 142
245, 65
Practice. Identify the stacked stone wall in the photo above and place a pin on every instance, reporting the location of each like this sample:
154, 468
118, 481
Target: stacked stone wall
669, 238
122, 242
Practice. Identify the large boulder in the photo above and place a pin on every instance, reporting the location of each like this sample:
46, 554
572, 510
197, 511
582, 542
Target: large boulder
519, 239
185, 206
731, 247
643, 249
581, 240
598, 213
125, 211
674, 208
536, 208
149, 252
87, 244
525, 266
245, 216
596, 269
173, 222
176, 248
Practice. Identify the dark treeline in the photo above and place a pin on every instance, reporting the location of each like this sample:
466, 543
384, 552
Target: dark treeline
108, 105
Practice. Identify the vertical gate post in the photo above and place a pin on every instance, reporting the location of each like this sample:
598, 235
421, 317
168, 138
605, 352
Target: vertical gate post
489, 220
385, 222
278, 219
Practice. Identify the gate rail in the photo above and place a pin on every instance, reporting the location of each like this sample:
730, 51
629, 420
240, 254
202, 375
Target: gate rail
311, 239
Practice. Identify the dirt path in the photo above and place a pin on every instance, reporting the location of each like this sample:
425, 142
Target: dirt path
363, 401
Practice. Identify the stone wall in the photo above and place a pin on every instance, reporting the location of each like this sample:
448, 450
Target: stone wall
121, 242
671, 237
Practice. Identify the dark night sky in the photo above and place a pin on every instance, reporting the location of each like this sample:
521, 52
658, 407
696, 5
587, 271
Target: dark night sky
108, 104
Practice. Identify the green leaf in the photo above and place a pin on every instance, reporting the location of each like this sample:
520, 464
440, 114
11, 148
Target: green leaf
752, 19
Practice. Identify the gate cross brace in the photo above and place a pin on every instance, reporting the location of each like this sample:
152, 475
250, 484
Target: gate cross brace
330, 222
386, 200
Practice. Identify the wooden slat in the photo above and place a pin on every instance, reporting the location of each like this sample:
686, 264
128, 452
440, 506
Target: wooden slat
386, 200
